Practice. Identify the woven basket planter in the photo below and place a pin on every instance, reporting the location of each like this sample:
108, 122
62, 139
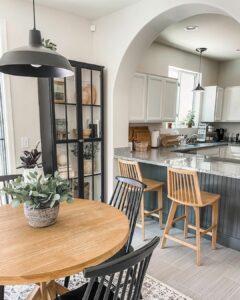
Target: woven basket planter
41, 217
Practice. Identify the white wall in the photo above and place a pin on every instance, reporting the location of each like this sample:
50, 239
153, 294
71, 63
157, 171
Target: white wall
158, 58
229, 73
74, 40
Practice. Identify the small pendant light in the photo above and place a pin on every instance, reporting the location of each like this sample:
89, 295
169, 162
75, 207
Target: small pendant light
35, 60
199, 88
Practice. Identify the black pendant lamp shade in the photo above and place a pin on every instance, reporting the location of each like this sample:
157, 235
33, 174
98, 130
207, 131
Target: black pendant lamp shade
199, 88
35, 60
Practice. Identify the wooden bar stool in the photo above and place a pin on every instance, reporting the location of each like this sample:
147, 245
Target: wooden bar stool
183, 189
131, 169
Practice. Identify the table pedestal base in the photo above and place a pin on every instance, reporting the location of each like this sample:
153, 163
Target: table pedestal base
47, 291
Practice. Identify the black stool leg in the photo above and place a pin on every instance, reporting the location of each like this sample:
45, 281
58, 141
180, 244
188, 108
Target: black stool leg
1, 292
66, 282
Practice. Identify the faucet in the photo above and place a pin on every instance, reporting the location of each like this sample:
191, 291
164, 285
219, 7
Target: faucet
192, 139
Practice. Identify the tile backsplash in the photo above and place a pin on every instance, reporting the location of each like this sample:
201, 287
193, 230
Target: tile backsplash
162, 129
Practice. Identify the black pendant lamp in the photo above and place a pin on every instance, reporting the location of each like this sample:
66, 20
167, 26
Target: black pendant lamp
199, 88
35, 60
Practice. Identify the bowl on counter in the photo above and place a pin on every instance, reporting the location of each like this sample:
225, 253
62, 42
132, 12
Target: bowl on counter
141, 146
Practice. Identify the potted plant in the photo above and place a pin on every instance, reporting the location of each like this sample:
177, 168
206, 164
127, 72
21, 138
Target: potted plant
41, 196
189, 121
30, 162
89, 153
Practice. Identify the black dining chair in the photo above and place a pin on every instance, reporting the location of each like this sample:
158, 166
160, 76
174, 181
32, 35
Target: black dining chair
126, 272
127, 198
4, 199
4, 181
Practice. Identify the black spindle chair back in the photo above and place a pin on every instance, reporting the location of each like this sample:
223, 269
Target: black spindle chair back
127, 197
121, 278
4, 181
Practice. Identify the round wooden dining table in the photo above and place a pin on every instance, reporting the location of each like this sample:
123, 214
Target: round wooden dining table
86, 234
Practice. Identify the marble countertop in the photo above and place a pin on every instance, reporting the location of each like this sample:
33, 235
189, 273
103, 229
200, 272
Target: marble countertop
172, 157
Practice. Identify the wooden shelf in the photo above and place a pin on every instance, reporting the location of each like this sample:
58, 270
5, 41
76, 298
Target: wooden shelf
65, 103
94, 174
91, 105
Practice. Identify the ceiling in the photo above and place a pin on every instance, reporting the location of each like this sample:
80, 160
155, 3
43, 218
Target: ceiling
90, 9
219, 34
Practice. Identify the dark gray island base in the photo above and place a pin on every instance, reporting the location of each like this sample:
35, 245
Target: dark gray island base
227, 186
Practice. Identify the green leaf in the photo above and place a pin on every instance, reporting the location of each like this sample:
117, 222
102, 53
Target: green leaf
15, 203
56, 197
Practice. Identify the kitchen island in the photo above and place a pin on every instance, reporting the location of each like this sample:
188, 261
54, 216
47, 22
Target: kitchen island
218, 172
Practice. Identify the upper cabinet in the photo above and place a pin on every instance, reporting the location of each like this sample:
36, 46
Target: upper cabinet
169, 105
137, 103
231, 104
153, 99
212, 104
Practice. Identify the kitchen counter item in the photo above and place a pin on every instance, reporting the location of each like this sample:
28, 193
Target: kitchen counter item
139, 134
220, 134
155, 139
141, 146
168, 140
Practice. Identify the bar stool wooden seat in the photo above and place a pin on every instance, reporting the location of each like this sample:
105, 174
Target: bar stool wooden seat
183, 189
132, 169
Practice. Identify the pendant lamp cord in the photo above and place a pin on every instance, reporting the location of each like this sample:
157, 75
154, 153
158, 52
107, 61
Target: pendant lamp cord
200, 66
34, 17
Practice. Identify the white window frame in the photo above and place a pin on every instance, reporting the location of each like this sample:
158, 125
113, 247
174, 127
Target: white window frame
7, 105
194, 108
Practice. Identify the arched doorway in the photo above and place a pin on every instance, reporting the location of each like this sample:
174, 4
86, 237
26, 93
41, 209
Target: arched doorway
118, 131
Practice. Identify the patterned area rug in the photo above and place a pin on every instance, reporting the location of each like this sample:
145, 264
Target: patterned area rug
152, 289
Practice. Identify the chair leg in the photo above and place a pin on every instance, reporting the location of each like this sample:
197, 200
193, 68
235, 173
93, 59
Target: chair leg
66, 281
186, 223
1, 292
160, 206
198, 235
142, 218
214, 223
169, 223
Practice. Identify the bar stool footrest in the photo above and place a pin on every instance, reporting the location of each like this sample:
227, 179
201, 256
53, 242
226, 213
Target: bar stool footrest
170, 237
207, 231
151, 212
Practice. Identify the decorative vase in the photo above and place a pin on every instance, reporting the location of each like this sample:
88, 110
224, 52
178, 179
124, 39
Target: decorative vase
189, 125
88, 166
42, 217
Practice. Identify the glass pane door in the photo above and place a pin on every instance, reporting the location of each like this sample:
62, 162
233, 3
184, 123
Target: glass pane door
65, 107
92, 133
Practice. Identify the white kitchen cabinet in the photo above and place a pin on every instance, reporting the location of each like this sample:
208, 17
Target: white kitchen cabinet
152, 99
169, 104
212, 104
137, 100
231, 104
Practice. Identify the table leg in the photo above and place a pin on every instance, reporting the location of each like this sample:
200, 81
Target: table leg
44, 293
35, 294
52, 291
47, 291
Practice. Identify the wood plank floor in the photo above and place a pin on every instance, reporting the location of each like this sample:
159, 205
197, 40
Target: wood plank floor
218, 277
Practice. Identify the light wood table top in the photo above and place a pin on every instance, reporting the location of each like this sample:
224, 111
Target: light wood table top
86, 234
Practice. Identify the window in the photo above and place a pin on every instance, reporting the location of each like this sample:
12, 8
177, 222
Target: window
3, 156
7, 149
187, 100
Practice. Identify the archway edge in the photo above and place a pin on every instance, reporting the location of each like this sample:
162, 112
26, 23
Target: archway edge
145, 26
